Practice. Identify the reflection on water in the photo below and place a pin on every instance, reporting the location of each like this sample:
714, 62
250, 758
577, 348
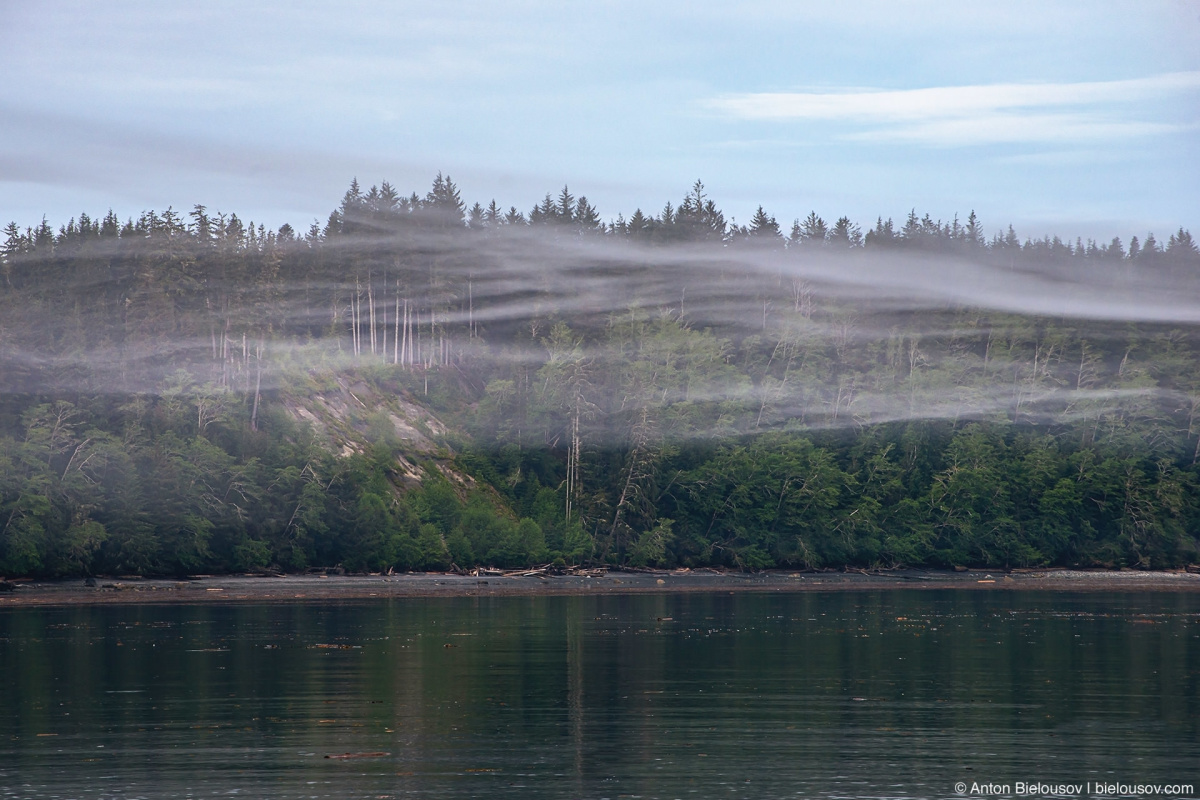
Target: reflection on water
871, 694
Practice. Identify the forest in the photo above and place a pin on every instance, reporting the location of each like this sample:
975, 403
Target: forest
544, 387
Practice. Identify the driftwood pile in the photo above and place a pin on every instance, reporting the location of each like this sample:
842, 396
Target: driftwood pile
535, 572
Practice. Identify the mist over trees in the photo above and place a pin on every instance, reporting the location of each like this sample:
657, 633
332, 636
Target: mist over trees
665, 389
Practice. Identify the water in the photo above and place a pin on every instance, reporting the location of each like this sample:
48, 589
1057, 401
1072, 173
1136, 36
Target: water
864, 694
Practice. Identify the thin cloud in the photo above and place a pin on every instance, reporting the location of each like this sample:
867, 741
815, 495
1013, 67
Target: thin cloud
981, 114
1017, 128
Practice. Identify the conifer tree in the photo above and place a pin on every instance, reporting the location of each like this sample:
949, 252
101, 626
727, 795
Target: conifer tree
813, 231
845, 234
763, 227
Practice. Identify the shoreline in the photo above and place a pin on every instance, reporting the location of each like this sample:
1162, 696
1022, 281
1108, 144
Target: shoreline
334, 588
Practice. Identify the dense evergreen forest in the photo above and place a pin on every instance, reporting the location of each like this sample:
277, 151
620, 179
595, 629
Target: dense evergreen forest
671, 389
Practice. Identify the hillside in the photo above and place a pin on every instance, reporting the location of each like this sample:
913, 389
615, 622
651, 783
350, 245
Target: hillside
418, 384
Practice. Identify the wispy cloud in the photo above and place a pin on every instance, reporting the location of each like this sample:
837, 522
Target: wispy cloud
981, 114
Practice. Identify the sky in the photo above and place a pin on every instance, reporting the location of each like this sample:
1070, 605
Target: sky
1066, 118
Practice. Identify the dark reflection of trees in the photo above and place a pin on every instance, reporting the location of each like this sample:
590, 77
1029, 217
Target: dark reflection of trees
624, 689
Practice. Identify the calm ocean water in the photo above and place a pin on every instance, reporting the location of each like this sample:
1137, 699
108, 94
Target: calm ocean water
880, 694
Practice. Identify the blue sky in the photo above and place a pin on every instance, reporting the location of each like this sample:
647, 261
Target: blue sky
1071, 118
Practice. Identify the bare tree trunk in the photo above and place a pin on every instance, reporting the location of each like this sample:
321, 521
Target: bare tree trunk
637, 459
383, 322
225, 355
987, 351
371, 310
434, 345
257, 387
406, 346
573, 455
354, 319
333, 321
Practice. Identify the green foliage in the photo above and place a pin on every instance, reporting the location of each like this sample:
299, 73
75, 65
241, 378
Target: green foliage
643, 433
251, 554
652, 548
75, 500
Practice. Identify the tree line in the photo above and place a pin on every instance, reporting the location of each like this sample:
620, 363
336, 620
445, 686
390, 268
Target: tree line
616, 392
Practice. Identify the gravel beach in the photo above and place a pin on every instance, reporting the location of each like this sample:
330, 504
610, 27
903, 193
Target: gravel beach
325, 588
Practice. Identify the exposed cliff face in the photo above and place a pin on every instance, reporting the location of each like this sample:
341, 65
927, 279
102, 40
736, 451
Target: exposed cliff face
348, 413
